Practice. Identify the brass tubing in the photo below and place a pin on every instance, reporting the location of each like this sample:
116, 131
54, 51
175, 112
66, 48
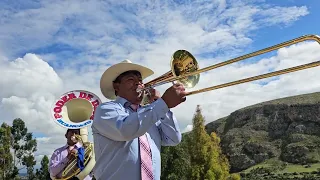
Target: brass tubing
275, 73
256, 53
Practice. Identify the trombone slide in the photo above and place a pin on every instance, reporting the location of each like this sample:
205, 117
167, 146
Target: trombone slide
184, 67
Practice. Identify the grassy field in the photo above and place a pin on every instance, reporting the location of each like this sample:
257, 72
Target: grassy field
280, 167
291, 168
274, 168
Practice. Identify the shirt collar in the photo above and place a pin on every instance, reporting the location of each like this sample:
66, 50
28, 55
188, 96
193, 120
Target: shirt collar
77, 145
125, 103
121, 100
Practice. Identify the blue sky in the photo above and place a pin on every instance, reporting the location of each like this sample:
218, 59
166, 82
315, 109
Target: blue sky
306, 25
126, 17
50, 47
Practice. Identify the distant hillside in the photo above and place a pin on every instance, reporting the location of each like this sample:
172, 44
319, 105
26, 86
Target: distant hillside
311, 98
286, 130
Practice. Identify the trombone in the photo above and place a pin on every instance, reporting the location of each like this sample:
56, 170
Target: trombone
185, 68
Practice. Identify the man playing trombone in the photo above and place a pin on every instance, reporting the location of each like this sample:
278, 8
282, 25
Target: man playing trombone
127, 135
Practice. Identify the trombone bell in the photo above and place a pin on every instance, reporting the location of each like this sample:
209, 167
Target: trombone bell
182, 63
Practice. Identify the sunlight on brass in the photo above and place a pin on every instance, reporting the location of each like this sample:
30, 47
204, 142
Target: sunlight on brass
185, 69
182, 62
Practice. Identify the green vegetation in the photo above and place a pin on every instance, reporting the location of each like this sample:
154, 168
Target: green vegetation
20, 142
197, 157
207, 160
274, 169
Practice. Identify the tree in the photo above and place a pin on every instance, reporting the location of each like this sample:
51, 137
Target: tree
16, 139
206, 158
175, 161
29, 162
235, 176
24, 146
18, 131
43, 172
6, 166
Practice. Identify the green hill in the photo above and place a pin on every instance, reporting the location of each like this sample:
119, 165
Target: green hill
282, 136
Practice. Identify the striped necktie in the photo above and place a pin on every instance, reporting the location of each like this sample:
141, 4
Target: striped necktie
145, 154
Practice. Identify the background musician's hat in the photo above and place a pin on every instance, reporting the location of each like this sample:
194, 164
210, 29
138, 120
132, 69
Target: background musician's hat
106, 81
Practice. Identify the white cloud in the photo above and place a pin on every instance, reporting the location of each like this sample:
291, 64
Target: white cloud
26, 76
283, 15
29, 87
96, 35
187, 129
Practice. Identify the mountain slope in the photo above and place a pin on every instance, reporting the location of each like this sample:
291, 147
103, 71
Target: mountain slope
287, 129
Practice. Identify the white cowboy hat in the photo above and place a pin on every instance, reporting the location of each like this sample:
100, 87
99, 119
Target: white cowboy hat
107, 78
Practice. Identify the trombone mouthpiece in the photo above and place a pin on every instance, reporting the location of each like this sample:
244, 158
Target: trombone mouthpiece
139, 90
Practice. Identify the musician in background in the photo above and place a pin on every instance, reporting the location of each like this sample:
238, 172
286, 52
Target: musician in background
61, 156
127, 136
